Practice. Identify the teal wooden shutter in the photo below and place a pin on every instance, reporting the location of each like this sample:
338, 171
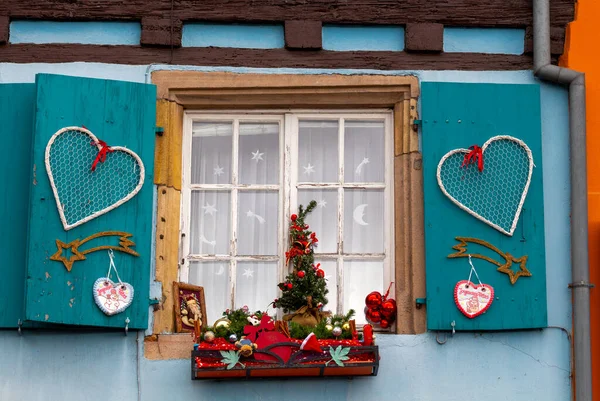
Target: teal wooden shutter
458, 116
121, 114
17, 107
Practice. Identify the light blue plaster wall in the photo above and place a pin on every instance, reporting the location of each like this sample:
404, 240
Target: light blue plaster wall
516, 366
91, 33
233, 35
352, 37
484, 40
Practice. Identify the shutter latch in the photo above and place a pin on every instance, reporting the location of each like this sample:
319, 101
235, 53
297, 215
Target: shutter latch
420, 302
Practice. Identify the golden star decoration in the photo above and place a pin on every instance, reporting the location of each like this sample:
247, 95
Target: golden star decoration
505, 267
75, 253
124, 246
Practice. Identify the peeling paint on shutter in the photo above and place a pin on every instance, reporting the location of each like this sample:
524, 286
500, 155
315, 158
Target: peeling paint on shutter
458, 116
121, 114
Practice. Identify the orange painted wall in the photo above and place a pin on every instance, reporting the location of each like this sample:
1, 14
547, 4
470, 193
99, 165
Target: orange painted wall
582, 53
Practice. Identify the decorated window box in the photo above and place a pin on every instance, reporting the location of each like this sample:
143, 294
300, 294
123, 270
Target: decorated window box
246, 345
221, 360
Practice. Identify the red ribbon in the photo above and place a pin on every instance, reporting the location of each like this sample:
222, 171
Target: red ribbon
474, 156
101, 156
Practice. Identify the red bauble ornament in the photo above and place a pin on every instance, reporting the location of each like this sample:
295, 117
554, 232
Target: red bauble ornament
294, 217
300, 274
388, 310
320, 273
384, 324
373, 315
373, 300
289, 286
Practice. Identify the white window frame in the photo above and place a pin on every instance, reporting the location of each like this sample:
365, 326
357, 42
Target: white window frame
288, 189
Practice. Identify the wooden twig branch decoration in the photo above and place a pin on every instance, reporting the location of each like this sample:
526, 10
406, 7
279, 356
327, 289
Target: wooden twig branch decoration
125, 245
503, 267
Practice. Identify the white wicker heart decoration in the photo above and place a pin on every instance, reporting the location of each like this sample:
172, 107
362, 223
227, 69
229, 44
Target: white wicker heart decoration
112, 298
81, 193
496, 194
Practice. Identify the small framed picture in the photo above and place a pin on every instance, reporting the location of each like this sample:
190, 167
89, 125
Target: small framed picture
190, 307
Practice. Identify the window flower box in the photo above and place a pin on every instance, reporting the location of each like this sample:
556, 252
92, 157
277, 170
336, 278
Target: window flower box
285, 359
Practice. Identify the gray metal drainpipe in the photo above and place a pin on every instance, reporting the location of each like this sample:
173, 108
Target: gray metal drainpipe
543, 69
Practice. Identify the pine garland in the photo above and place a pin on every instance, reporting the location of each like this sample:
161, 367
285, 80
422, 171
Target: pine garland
239, 318
306, 283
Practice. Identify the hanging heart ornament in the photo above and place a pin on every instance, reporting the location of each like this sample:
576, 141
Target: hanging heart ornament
472, 299
112, 298
494, 187
88, 177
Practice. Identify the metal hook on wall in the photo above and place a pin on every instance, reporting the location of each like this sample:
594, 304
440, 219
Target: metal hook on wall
127, 325
442, 342
20, 324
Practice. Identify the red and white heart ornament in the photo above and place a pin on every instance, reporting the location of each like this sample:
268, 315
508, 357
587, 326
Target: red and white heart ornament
110, 297
472, 299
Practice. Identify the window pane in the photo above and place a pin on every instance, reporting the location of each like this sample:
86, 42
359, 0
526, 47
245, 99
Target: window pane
214, 277
210, 223
256, 284
360, 278
364, 154
323, 219
363, 221
318, 151
211, 152
257, 223
330, 269
259, 153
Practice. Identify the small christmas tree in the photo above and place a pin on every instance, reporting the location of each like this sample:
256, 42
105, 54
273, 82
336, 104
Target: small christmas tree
304, 290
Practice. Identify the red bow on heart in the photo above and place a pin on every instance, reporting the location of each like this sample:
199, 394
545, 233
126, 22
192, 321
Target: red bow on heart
101, 156
474, 156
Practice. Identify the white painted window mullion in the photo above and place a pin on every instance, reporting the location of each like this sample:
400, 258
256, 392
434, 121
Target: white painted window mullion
340, 234
389, 228
184, 245
234, 211
290, 181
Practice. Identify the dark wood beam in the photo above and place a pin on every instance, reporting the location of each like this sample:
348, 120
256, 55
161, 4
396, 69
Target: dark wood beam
161, 31
303, 35
265, 58
513, 13
4, 29
427, 37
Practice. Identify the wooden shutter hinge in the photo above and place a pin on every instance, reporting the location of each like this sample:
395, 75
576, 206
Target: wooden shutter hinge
416, 124
419, 302
159, 131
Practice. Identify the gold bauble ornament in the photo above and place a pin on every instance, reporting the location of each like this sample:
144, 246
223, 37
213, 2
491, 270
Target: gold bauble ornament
346, 326
209, 336
222, 322
328, 327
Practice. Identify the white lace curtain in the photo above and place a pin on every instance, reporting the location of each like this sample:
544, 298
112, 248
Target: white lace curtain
256, 222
